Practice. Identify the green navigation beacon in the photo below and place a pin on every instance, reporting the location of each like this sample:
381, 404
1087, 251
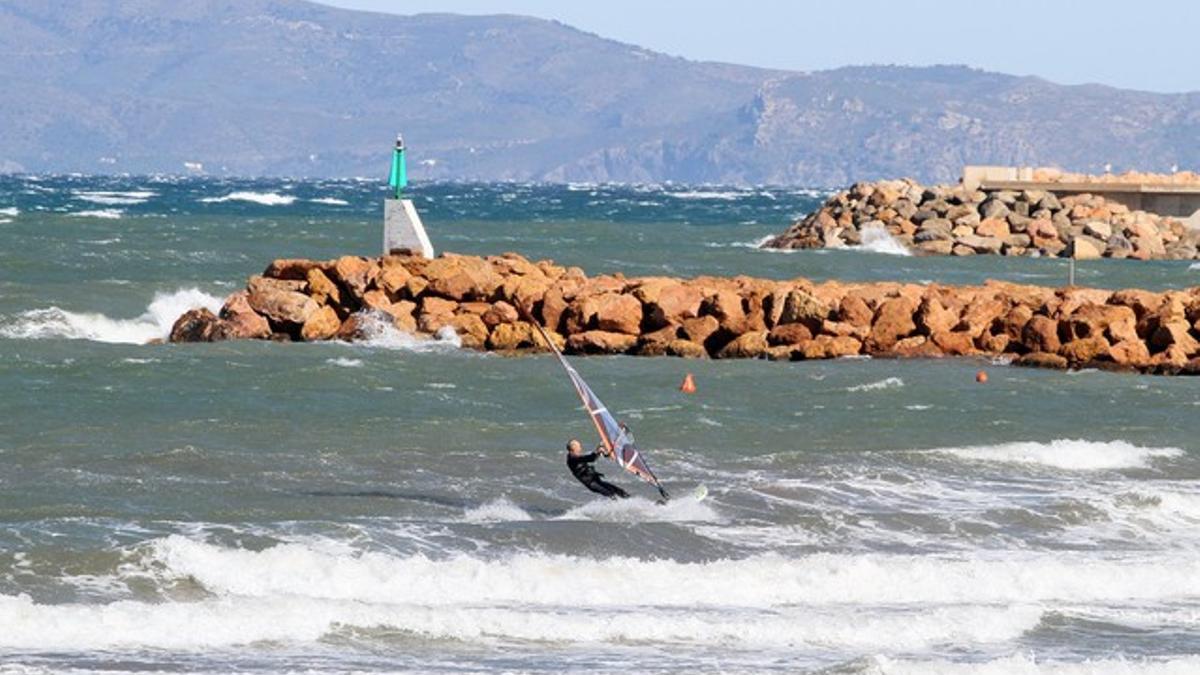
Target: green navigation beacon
398, 179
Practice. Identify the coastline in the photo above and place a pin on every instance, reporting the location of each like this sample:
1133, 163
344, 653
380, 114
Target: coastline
487, 302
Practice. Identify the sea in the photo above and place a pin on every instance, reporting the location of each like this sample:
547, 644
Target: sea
403, 505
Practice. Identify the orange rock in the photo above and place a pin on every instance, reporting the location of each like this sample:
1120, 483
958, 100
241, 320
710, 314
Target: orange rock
993, 227
356, 274
462, 278
615, 312
893, 321
282, 307
980, 314
241, 321
789, 334
1043, 360
513, 336
746, 346
829, 347
601, 342
322, 289
322, 324
932, 317
470, 329
916, 346
1130, 353
1083, 350
1040, 334
699, 329
500, 312
195, 325
955, 343
854, 310
291, 268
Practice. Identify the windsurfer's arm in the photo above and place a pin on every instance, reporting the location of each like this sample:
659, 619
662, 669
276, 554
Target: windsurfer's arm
602, 450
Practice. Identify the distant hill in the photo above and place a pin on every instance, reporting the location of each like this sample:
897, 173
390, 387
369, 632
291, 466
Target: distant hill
284, 87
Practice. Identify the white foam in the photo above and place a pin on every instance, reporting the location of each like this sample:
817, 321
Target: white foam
345, 362
331, 201
637, 509
1194, 266
707, 194
496, 511
381, 333
1077, 455
155, 322
114, 198
305, 591
106, 214
264, 198
888, 383
879, 240
10, 211
1023, 664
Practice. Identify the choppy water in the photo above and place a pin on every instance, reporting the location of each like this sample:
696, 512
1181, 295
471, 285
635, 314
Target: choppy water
384, 506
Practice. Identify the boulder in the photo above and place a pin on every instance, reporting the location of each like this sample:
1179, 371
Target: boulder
601, 342
854, 310
1083, 247
932, 317
789, 334
981, 244
1131, 353
699, 329
1040, 334
1043, 360
355, 274
1174, 333
513, 336
471, 330
393, 279
800, 306
241, 322
615, 312
829, 347
282, 308
466, 278
672, 304
746, 346
294, 269
500, 312
980, 314
893, 321
725, 307
686, 349
322, 324
955, 343
993, 227
1084, 350
195, 325
322, 289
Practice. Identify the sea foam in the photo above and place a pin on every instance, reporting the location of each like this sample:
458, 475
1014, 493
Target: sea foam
105, 214
155, 322
114, 198
264, 198
878, 240
1068, 454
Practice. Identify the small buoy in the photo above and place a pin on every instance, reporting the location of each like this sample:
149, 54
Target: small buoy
688, 386
981, 376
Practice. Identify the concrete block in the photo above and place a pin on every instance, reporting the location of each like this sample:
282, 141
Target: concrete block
402, 228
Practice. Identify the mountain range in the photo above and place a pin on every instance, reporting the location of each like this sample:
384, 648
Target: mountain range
292, 88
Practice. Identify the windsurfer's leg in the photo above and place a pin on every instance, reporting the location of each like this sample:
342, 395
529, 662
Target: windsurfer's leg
611, 491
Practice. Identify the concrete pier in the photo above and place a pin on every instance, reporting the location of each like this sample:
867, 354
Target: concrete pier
1181, 201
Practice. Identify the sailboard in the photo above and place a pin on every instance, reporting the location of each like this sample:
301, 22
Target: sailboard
616, 436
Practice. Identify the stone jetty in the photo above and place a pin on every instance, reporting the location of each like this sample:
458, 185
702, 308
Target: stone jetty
489, 301
952, 220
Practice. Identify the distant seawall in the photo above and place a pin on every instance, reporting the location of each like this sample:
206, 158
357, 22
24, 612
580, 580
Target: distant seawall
1011, 218
487, 303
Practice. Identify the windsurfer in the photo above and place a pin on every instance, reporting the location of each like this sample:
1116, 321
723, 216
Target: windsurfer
581, 467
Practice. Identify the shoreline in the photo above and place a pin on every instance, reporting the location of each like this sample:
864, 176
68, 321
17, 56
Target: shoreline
486, 301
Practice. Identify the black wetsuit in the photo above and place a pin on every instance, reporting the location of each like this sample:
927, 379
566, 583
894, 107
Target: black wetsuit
581, 468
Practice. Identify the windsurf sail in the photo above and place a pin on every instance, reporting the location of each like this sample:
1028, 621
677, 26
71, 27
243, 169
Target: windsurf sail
616, 437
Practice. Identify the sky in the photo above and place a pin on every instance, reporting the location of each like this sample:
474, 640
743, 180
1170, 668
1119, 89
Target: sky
1152, 45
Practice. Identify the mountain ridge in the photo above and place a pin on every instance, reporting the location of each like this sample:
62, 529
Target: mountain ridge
286, 87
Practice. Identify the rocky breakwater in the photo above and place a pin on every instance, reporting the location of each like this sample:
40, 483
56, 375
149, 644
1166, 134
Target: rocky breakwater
489, 302
951, 220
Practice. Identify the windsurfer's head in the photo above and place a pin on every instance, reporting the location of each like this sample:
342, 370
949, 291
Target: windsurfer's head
575, 447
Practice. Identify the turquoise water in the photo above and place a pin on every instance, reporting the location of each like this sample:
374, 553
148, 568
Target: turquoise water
395, 505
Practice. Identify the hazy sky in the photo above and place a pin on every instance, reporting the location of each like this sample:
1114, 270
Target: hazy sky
1148, 44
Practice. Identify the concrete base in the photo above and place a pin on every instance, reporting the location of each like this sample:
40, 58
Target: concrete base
402, 228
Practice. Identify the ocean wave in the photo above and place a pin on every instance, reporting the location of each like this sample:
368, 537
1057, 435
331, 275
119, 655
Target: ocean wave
683, 509
878, 240
762, 582
887, 383
724, 195
345, 362
115, 198
496, 511
10, 211
1024, 664
264, 198
331, 201
1068, 454
155, 322
106, 214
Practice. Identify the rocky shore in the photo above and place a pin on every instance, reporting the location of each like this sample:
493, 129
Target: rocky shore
951, 220
487, 303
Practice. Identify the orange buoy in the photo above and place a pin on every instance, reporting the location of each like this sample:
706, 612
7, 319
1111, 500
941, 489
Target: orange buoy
981, 376
688, 386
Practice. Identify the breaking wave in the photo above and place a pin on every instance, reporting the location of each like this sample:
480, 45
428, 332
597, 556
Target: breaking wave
878, 240
1068, 454
330, 201
115, 198
106, 214
382, 334
264, 198
155, 322
888, 383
